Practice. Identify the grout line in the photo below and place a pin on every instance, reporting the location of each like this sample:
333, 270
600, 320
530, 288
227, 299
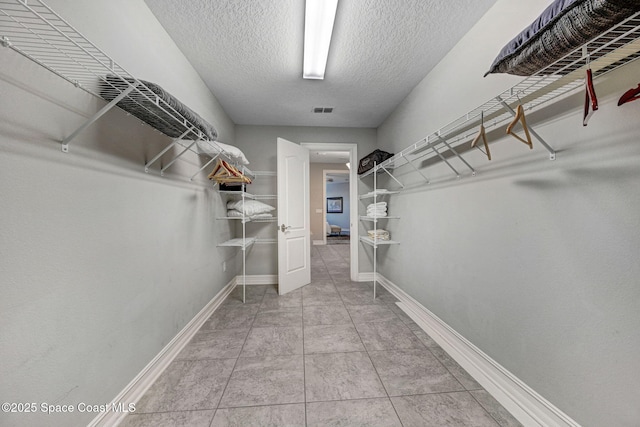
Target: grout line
374, 366
482, 406
237, 358
304, 368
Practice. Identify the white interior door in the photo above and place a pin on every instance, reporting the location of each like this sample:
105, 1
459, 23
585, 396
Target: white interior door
294, 245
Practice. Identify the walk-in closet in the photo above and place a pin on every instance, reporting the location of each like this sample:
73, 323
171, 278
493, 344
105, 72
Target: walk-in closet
171, 252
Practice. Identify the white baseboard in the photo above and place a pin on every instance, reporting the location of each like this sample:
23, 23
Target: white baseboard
318, 242
522, 401
258, 279
365, 277
141, 383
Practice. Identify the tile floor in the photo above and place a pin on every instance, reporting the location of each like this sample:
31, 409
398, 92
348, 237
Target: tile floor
324, 355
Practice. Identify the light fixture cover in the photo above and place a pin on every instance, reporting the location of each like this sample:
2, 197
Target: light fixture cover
319, 16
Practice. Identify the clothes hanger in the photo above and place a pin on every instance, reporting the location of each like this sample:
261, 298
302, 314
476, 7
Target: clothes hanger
482, 134
227, 173
519, 117
630, 95
590, 98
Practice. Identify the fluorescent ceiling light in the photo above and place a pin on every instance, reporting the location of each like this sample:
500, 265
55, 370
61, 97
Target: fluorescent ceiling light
319, 16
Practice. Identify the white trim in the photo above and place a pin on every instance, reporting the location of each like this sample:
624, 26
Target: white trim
353, 195
258, 279
150, 373
366, 277
522, 401
319, 243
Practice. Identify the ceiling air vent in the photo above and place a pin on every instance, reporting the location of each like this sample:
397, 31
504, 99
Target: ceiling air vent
323, 109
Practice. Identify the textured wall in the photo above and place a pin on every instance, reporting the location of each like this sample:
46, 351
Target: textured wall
533, 261
101, 264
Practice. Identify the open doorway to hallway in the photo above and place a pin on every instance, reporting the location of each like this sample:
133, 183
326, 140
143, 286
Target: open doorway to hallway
333, 197
338, 207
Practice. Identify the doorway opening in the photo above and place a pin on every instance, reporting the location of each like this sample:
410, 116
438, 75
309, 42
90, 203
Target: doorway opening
338, 207
333, 197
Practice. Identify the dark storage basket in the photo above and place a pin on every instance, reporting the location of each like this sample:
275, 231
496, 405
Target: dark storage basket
376, 157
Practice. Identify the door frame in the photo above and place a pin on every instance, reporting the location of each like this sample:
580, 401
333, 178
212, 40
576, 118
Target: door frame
354, 221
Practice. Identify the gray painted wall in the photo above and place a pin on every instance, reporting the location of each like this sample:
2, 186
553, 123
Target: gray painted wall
535, 262
101, 264
259, 144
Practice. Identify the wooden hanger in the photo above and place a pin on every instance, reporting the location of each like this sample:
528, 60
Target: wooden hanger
630, 95
590, 98
227, 173
520, 118
482, 134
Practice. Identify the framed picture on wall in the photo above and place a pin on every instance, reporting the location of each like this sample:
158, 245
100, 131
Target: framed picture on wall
334, 204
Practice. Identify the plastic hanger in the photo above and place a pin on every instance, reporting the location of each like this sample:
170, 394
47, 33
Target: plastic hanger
482, 134
630, 95
520, 118
590, 98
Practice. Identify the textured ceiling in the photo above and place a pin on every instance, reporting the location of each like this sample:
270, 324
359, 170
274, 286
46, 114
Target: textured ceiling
249, 53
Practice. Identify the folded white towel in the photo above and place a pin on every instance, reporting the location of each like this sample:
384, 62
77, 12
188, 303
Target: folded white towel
377, 208
376, 214
377, 205
378, 234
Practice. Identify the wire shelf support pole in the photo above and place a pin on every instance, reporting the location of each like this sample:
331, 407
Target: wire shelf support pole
94, 118
433, 147
444, 141
176, 157
552, 152
213, 159
410, 162
388, 173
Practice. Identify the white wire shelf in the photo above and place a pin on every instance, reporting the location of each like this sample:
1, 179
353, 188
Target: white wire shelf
378, 193
233, 218
249, 195
609, 51
377, 218
272, 219
265, 173
239, 242
247, 219
377, 242
266, 241
34, 30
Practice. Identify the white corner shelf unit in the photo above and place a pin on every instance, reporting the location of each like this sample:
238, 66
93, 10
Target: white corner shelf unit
245, 242
375, 242
612, 49
34, 30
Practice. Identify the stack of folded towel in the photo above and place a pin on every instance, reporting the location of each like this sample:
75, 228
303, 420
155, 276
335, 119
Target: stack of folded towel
377, 210
378, 234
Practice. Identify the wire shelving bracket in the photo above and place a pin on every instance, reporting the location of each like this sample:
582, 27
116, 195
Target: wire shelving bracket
34, 30
612, 49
